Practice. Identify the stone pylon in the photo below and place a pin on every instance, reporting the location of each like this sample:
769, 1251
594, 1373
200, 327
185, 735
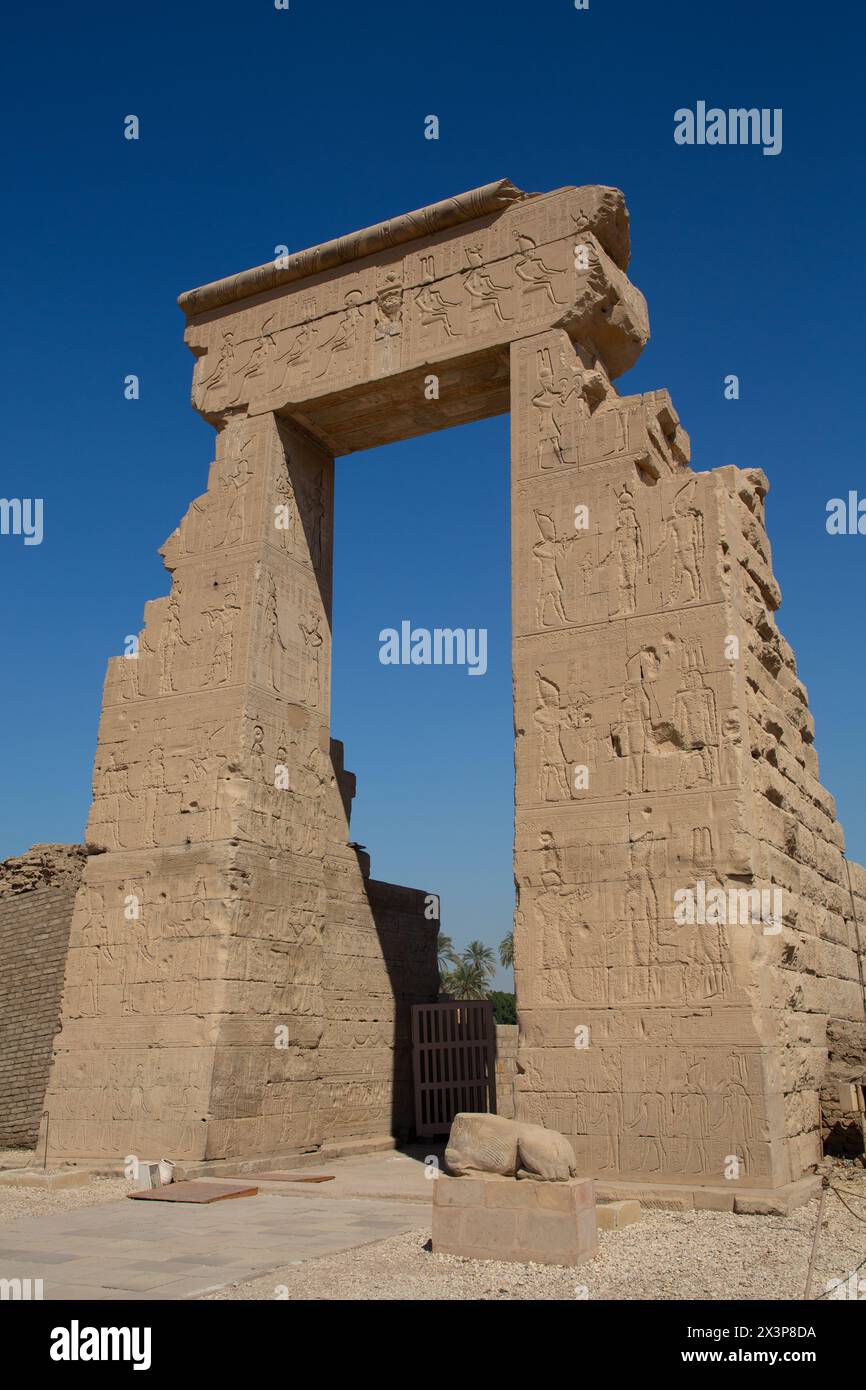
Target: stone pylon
686, 934
683, 900
200, 1019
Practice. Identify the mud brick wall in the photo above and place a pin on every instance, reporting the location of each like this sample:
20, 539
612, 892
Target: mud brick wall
37, 892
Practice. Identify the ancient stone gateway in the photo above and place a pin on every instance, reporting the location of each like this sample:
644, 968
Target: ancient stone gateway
665, 769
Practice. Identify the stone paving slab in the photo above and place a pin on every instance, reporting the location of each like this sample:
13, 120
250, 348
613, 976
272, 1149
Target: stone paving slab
163, 1251
388, 1176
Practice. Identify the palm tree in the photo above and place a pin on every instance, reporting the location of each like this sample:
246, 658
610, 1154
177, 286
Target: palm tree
506, 950
481, 958
467, 981
445, 953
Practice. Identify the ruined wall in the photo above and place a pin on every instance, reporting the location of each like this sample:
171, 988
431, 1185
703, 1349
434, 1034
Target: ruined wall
815, 976
664, 752
196, 1015
37, 892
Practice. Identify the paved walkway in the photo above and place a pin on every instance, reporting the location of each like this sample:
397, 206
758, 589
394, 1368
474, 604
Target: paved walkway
168, 1250
390, 1176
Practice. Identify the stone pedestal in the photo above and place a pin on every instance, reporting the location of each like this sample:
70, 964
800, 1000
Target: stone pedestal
517, 1220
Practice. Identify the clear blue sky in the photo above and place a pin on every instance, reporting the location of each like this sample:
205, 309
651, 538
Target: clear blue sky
261, 127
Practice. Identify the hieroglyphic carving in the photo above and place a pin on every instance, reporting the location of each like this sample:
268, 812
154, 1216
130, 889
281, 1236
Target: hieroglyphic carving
388, 322
314, 643
479, 285
547, 719
219, 378
221, 619
345, 337
549, 552
684, 539
297, 354
630, 682
434, 308
550, 397
531, 269
629, 552
256, 370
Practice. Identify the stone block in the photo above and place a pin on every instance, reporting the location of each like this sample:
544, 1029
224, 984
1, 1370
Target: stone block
611, 1216
519, 1221
459, 1192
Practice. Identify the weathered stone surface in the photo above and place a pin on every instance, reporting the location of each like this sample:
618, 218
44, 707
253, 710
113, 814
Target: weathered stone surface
493, 1144
497, 1218
347, 351
663, 741
612, 1216
506, 1068
236, 985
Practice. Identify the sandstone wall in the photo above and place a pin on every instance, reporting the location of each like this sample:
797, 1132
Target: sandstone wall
37, 893
506, 1068
664, 747
814, 967
221, 941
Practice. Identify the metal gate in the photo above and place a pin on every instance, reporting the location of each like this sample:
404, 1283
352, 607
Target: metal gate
454, 1062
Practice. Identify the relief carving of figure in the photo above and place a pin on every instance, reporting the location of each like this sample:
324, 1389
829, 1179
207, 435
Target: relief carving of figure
222, 372
345, 338
173, 640
684, 533
314, 643
696, 721
315, 775
204, 760
641, 901
433, 308
257, 754
632, 735
479, 285
236, 512
389, 310
530, 268
628, 548
297, 354
692, 1113
276, 645
548, 400
311, 516
551, 859
221, 620
547, 719
548, 552
258, 365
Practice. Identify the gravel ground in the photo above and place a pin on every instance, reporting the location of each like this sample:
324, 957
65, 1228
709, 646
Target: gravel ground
36, 1201
667, 1255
